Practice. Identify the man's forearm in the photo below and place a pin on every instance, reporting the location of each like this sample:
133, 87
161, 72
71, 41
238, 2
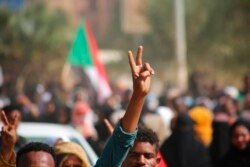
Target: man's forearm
116, 148
132, 115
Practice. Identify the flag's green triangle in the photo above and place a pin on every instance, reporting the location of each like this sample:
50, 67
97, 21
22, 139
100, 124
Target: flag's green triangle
80, 54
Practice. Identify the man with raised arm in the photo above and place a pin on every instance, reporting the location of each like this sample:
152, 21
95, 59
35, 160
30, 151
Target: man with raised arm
125, 132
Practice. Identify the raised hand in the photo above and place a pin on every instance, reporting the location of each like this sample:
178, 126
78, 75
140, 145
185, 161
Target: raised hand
141, 72
8, 135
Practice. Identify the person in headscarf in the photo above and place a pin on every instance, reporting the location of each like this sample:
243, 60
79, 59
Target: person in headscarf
239, 151
70, 153
182, 149
203, 119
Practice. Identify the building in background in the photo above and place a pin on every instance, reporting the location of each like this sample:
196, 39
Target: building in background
98, 12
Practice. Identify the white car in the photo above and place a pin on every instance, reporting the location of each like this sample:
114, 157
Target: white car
47, 132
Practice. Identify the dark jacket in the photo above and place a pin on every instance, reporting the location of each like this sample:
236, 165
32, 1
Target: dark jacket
236, 158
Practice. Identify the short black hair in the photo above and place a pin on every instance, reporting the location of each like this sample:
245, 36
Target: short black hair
35, 146
145, 134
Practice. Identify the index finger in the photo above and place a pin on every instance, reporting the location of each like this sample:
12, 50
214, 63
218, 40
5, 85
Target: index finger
4, 118
131, 61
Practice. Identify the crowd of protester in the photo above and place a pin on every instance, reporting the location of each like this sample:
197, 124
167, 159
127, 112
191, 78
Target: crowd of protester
206, 126
128, 144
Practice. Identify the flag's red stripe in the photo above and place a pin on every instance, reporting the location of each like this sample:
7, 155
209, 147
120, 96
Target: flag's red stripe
94, 52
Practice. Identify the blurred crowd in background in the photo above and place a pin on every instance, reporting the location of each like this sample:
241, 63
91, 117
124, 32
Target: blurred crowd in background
193, 125
205, 125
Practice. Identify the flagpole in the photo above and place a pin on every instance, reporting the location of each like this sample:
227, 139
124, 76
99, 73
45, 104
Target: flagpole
180, 44
66, 81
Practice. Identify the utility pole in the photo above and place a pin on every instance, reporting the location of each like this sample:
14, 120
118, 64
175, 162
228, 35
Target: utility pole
180, 44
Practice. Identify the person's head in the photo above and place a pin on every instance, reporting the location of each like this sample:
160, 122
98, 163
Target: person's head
36, 154
240, 134
179, 105
11, 112
50, 107
70, 154
182, 123
145, 149
246, 84
247, 102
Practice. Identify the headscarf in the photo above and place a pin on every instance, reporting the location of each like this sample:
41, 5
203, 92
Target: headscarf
63, 149
203, 119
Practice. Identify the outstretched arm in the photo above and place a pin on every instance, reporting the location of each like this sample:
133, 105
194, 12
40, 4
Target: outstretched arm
141, 73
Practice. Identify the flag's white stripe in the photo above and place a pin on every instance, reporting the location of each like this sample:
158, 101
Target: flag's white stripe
93, 76
99, 83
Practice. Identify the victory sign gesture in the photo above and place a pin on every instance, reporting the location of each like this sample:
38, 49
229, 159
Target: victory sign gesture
141, 72
9, 137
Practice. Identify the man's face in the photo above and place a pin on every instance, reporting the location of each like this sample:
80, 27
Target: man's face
142, 154
36, 159
72, 161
